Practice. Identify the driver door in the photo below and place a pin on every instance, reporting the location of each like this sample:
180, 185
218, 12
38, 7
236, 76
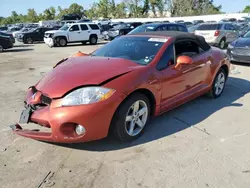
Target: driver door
180, 84
74, 33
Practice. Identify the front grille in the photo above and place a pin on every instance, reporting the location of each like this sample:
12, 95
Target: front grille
45, 100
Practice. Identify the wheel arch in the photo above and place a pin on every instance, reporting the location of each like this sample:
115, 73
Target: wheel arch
143, 91
93, 34
226, 69
61, 36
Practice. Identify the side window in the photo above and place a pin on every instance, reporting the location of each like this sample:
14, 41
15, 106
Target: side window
74, 28
231, 27
227, 27
172, 28
167, 58
160, 28
188, 48
180, 28
94, 26
84, 27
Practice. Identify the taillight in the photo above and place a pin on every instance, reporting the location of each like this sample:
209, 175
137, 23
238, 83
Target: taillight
217, 33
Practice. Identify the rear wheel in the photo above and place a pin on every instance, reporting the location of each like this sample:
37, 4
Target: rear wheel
29, 40
218, 84
122, 33
62, 42
1, 48
93, 40
131, 118
222, 44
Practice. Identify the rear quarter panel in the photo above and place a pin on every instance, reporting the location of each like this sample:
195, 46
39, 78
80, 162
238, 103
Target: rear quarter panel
218, 59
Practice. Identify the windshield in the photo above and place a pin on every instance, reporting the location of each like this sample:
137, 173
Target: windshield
247, 35
120, 26
65, 27
140, 50
210, 27
143, 28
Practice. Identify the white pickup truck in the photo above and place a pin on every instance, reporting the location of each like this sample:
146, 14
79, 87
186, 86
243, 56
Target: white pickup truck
72, 33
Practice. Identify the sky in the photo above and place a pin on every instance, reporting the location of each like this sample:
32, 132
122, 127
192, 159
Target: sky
21, 6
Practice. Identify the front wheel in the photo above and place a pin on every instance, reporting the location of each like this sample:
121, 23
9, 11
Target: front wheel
131, 118
62, 42
218, 84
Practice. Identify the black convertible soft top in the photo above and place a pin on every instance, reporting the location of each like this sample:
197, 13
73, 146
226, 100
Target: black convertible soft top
178, 36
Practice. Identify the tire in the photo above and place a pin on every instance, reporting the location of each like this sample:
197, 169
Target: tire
125, 125
218, 84
121, 33
222, 44
84, 43
1, 48
93, 40
29, 40
62, 42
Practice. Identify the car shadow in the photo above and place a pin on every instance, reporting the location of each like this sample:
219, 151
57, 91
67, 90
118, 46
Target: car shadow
23, 45
183, 117
240, 64
18, 50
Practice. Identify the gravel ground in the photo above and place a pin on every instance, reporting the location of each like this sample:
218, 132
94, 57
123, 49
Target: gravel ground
204, 143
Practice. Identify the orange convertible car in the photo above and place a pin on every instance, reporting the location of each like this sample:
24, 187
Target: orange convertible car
119, 86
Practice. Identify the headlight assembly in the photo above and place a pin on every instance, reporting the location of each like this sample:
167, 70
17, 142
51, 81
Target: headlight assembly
87, 95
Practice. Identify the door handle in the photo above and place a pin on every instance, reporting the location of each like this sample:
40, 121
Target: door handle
79, 32
88, 31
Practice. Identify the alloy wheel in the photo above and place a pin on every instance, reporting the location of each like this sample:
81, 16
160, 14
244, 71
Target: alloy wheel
1, 48
136, 118
219, 83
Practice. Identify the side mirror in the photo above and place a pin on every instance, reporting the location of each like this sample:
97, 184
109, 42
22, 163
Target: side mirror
183, 60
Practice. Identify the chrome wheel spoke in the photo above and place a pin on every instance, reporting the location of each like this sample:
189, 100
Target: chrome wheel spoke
129, 118
142, 111
131, 128
136, 107
140, 123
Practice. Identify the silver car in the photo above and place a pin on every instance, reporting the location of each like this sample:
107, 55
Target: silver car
218, 34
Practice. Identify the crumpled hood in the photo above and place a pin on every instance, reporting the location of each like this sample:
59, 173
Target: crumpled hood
81, 71
242, 42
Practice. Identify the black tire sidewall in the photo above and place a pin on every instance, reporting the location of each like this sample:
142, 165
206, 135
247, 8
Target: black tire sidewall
60, 42
27, 40
214, 95
90, 41
118, 122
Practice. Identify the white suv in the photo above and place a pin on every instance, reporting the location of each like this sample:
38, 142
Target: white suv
72, 33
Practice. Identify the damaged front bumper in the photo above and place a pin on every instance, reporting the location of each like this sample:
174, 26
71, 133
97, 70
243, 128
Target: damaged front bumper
60, 122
